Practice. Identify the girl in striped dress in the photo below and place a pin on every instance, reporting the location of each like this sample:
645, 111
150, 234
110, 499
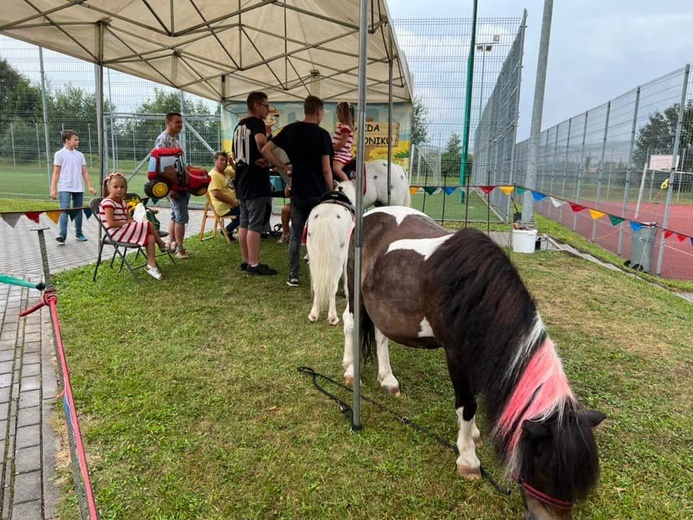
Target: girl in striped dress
342, 140
114, 212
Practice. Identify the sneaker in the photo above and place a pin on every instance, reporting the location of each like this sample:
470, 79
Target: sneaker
292, 281
81, 238
153, 272
60, 240
244, 266
283, 239
261, 269
165, 249
182, 254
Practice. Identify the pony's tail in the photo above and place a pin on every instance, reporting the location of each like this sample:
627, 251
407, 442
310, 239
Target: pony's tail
327, 252
367, 335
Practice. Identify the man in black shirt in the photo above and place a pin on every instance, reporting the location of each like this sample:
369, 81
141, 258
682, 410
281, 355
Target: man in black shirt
309, 148
252, 181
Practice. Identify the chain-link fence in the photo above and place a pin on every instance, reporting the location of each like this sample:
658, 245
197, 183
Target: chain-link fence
495, 135
630, 160
437, 53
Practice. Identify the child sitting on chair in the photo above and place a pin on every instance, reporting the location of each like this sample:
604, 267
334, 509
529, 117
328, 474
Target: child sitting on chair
342, 140
114, 212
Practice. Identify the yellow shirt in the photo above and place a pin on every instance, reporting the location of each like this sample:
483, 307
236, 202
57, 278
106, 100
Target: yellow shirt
222, 181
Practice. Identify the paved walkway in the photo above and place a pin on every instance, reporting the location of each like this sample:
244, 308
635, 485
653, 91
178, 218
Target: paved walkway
28, 387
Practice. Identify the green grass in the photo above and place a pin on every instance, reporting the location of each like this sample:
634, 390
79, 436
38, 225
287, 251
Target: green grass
192, 407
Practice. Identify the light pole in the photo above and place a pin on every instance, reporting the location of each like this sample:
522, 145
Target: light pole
483, 49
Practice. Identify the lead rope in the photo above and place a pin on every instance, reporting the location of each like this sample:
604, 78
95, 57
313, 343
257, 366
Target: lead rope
347, 411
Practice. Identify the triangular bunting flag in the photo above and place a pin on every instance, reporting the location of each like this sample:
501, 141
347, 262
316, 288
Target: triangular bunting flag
520, 191
557, 203
87, 213
507, 189
11, 218
155, 201
487, 189
635, 226
430, 189
438, 190
413, 190
449, 190
615, 221
54, 216
538, 196
33, 215
576, 207
681, 238
596, 214
667, 233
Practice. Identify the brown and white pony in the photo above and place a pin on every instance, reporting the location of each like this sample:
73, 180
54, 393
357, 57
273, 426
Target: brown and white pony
329, 229
424, 286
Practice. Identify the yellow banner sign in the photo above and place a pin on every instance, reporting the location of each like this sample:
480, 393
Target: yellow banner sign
377, 133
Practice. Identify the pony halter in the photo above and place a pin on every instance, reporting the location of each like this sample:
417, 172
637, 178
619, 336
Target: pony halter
556, 503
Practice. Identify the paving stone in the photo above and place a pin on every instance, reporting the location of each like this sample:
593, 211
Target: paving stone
32, 370
28, 511
5, 380
5, 393
6, 367
28, 436
6, 355
27, 459
29, 399
31, 358
30, 383
32, 346
27, 487
28, 416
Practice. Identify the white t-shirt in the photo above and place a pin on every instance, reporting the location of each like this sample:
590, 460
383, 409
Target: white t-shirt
70, 162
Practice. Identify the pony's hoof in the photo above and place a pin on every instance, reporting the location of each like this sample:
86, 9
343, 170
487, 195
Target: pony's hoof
313, 317
469, 473
349, 380
331, 321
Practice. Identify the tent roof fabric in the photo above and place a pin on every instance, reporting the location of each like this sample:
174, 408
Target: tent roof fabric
223, 49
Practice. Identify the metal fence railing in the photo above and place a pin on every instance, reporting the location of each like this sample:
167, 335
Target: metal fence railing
629, 158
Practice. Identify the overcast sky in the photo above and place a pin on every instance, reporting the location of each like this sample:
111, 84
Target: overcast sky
599, 49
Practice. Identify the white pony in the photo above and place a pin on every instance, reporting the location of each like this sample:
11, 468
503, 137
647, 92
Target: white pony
329, 233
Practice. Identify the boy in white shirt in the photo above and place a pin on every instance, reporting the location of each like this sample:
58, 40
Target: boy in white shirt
69, 173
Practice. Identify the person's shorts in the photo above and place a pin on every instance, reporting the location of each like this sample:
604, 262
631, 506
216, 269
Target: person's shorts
253, 213
179, 207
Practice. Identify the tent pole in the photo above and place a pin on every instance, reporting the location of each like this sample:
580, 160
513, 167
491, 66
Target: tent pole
358, 229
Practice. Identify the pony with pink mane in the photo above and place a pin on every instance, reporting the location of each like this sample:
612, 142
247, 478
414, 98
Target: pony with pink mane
426, 287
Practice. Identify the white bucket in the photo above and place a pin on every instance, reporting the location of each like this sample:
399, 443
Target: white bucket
524, 240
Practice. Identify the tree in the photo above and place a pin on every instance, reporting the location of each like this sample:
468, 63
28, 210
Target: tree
419, 123
451, 159
20, 111
147, 128
657, 137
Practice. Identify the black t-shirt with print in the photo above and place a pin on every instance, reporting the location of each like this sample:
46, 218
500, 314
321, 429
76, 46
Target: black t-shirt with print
252, 181
305, 144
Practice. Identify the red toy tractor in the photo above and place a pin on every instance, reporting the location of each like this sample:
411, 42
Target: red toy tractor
167, 173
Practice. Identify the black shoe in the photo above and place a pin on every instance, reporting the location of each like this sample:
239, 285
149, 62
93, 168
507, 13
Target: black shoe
60, 240
244, 266
292, 281
261, 269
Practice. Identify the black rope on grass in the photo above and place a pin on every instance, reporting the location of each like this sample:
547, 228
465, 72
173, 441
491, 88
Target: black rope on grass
348, 412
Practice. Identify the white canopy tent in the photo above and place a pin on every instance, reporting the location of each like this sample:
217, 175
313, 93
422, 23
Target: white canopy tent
223, 49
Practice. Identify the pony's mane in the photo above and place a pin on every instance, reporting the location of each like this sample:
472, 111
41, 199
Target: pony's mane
541, 393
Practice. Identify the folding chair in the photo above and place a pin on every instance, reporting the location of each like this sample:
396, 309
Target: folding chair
120, 249
218, 221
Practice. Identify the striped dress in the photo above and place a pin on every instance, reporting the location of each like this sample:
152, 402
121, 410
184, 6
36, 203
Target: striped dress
134, 232
344, 155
